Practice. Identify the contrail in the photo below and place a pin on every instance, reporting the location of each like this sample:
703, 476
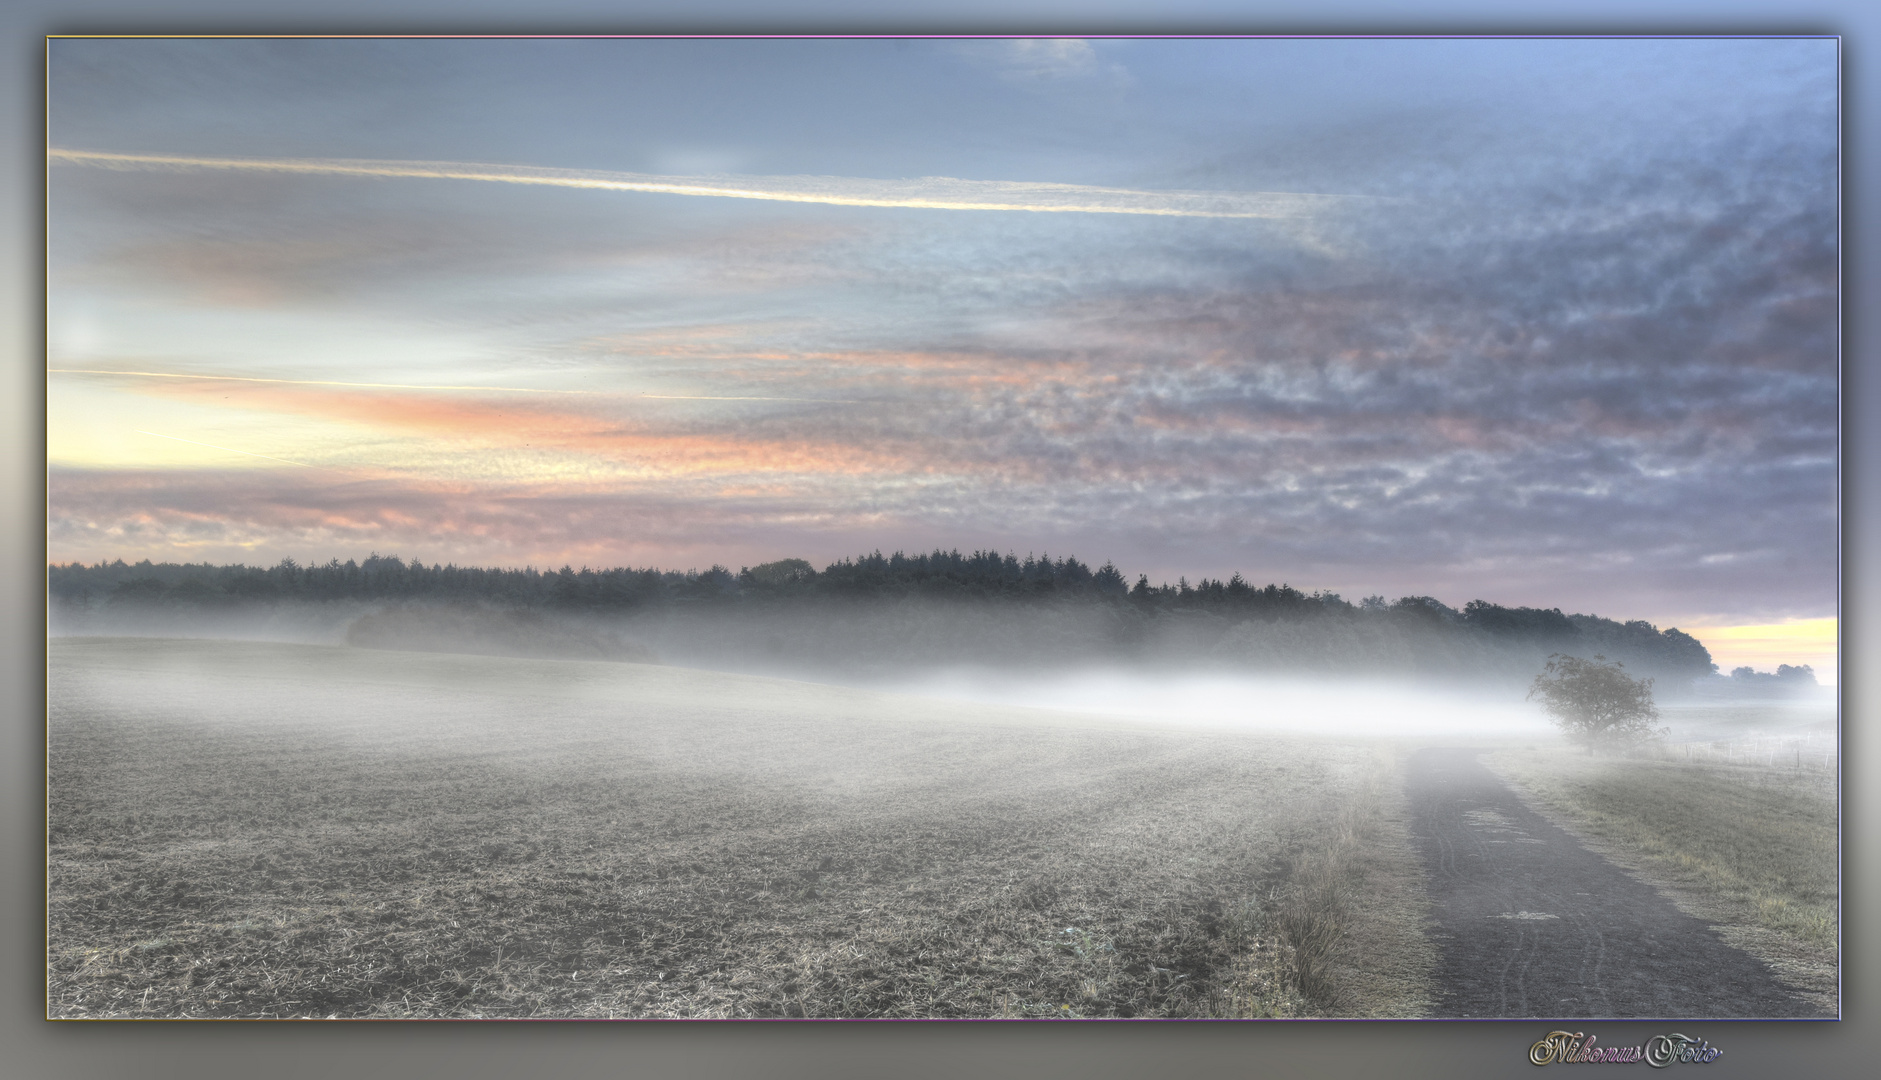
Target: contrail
926, 193
230, 449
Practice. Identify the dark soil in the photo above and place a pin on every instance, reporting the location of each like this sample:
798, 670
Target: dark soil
1532, 924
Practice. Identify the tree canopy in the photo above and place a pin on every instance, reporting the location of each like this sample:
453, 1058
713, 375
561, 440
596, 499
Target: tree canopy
1596, 701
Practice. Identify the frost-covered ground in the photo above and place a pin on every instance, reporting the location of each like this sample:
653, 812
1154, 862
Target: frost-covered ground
268, 829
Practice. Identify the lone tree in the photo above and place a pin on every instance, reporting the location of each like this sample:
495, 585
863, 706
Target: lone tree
1596, 701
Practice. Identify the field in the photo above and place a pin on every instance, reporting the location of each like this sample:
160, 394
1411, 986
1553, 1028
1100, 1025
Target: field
263, 830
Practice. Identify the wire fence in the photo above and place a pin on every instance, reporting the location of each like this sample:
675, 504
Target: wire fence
1812, 758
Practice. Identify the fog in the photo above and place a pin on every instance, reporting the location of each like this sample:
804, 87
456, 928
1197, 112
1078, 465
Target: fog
1321, 706
1183, 679
325, 623
1196, 672
1362, 707
433, 831
367, 829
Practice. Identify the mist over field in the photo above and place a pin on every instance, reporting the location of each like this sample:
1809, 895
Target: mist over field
980, 629
269, 829
1197, 677
1371, 708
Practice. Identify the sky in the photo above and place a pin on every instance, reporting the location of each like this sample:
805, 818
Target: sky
1541, 322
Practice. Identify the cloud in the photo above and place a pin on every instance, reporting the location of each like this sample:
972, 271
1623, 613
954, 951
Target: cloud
1587, 368
1629, 399
1055, 59
303, 382
1047, 64
207, 514
498, 436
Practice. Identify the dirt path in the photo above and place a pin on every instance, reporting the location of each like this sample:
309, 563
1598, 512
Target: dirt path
1531, 924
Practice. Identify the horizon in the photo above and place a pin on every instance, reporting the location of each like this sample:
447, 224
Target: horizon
1763, 647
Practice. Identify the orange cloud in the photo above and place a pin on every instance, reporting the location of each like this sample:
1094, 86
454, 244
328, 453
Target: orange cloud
618, 429
203, 514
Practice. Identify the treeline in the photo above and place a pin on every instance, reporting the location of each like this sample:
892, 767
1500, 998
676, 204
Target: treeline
941, 574
982, 574
1785, 677
1092, 607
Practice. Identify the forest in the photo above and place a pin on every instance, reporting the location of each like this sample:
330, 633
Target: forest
897, 611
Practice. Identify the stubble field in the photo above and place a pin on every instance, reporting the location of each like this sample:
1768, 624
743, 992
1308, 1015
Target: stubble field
260, 830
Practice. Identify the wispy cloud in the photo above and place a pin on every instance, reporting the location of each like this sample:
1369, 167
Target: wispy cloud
1031, 60
551, 440
747, 397
303, 382
924, 193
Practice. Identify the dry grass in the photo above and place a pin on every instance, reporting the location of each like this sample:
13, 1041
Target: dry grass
251, 830
1344, 921
1752, 847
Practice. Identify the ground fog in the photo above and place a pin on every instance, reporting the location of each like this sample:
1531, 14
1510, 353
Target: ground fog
273, 830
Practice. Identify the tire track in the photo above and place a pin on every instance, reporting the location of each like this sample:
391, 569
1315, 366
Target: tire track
1532, 924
